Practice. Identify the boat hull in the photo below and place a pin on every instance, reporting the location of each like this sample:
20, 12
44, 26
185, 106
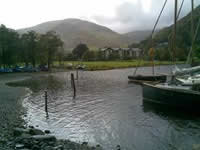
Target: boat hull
171, 97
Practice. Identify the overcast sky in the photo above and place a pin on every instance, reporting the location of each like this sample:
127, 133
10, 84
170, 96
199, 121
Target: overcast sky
119, 15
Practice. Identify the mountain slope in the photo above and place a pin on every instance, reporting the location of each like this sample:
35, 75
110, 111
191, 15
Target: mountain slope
137, 36
183, 31
74, 31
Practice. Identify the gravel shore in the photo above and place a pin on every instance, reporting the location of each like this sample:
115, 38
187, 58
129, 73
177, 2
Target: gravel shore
11, 110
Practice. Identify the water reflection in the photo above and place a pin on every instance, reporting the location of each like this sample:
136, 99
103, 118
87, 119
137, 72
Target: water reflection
107, 111
180, 126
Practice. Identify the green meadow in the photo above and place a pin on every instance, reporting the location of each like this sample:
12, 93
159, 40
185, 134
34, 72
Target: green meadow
107, 65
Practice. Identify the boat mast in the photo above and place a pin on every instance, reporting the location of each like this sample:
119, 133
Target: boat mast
192, 29
174, 32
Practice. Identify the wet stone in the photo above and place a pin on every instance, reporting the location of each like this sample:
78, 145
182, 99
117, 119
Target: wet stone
44, 137
49, 148
19, 146
2, 140
36, 132
85, 143
60, 147
32, 127
43, 145
118, 147
25, 135
36, 147
51, 143
98, 147
10, 143
47, 131
20, 131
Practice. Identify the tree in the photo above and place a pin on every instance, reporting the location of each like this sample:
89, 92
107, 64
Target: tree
60, 55
114, 56
9, 43
49, 45
29, 48
89, 55
79, 50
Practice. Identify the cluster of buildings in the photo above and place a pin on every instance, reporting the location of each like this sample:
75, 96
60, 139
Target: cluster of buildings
122, 53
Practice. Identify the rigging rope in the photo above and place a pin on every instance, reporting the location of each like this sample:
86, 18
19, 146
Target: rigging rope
152, 33
158, 19
169, 36
180, 9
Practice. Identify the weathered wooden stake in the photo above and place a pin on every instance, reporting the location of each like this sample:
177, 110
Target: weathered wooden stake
76, 74
46, 107
73, 84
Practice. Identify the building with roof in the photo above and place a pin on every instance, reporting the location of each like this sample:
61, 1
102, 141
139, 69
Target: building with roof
122, 53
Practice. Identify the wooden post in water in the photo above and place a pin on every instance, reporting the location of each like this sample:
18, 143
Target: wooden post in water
46, 106
73, 85
76, 74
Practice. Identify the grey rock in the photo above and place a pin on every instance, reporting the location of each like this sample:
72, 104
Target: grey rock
118, 147
60, 147
49, 148
51, 143
19, 146
10, 143
36, 147
2, 140
85, 143
20, 131
98, 147
43, 145
36, 132
47, 131
32, 127
25, 135
44, 137
35, 142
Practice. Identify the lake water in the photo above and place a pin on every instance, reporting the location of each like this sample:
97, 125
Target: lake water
108, 111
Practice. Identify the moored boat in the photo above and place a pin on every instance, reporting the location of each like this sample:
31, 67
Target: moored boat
183, 94
172, 95
148, 78
189, 81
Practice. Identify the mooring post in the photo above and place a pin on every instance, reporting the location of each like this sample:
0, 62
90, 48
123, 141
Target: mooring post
76, 74
45, 96
73, 85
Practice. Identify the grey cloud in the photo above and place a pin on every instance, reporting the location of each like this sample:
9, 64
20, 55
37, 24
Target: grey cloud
131, 16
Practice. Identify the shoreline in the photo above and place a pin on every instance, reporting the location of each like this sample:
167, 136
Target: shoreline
110, 65
26, 140
97, 66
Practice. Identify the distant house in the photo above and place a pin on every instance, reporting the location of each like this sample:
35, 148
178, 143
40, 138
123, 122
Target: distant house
121, 52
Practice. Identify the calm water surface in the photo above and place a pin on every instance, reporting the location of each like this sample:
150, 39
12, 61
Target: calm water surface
108, 111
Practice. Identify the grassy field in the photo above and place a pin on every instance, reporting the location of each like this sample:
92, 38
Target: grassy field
107, 65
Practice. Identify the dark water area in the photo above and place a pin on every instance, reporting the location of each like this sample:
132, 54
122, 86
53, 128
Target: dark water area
108, 111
